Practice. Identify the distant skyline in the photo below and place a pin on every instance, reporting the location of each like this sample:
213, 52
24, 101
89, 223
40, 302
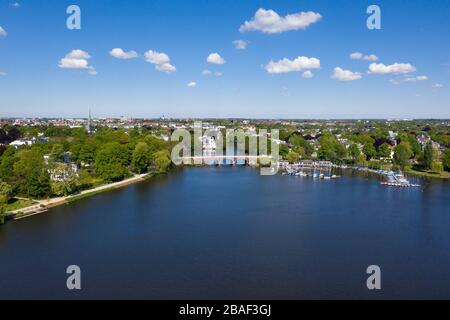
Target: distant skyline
225, 59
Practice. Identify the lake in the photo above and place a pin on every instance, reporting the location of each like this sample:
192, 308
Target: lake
229, 233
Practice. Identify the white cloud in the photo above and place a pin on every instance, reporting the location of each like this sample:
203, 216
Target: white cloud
340, 74
156, 57
268, 21
307, 74
192, 84
360, 56
78, 54
240, 44
92, 71
215, 58
15, 5
160, 60
408, 79
2, 73
418, 78
119, 53
3, 32
438, 85
396, 68
77, 59
207, 72
165, 67
298, 64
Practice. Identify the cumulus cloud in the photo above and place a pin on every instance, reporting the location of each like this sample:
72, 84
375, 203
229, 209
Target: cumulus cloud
155, 57
192, 84
298, 64
307, 74
77, 59
268, 21
340, 74
215, 58
437, 85
3, 32
160, 60
218, 74
119, 53
240, 44
165, 67
396, 68
360, 56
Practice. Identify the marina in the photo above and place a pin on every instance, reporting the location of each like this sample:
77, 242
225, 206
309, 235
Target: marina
323, 170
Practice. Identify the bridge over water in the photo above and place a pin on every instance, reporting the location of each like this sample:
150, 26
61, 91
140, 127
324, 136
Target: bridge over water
226, 159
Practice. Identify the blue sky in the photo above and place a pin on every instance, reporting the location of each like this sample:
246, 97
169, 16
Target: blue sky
413, 34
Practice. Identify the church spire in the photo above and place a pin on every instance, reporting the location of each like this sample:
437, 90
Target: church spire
89, 123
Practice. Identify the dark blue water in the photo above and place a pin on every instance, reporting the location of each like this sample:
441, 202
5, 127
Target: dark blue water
230, 233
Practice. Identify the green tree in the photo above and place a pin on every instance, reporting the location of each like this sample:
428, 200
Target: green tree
7, 165
87, 152
354, 152
330, 149
446, 160
428, 156
154, 144
141, 158
402, 154
162, 161
3, 202
384, 151
414, 144
284, 150
38, 185
111, 161
5, 190
30, 174
437, 166
300, 150
299, 142
57, 153
66, 187
370, 151
292, 157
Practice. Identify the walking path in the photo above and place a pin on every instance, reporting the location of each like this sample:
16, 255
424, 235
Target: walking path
44, 205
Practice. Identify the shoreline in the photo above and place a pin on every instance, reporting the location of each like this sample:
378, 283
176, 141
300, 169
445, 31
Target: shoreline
43, 205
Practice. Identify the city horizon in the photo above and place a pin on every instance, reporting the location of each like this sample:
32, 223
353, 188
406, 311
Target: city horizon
230, 118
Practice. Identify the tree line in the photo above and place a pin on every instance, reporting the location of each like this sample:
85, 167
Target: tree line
105, 156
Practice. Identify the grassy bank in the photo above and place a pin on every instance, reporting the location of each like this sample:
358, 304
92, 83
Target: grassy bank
17, 204
428, 174
87, 195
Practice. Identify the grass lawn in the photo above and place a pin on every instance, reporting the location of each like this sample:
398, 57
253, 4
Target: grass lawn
88, 195
16, 204
429, 174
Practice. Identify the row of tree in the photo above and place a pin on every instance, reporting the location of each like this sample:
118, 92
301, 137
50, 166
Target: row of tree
366, 150
106, 156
